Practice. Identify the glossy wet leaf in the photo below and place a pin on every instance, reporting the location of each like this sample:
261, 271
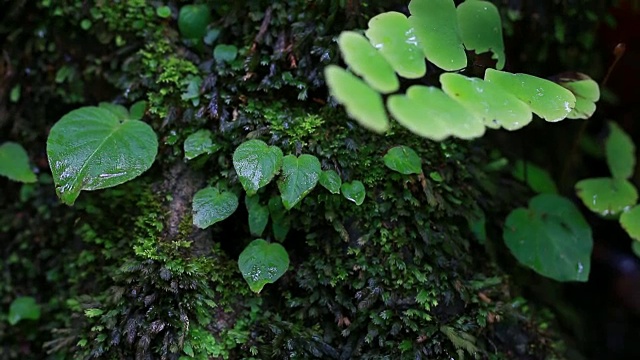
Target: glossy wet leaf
23, 308
262, 263
435, 23
211, 206
620, 152
90, 149
258, 215
193, 21
225, 53
586, 91
396, 41
362, 102
545, 98
481, 29
256, 164
538, 179
430, 113
14, 163
354, 191
488, 101
607, 196
331, 181
404, 160
280, 219
630, 221
199, 143
299, 176
363, 59
551, 237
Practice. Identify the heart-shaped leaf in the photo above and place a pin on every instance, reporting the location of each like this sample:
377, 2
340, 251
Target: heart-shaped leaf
199, 143
607, 196
280, 219
362, 102
299, 176
331, 181
546, 99
620, 151
430, 113
404, 160
23, 308
481, 29
14, 163
435, 23
630, 221
262, 263
90, 149
256, 164
490, 102
193, 21
225, 53
211, 206
258, 215
364, 60
551, 237
354, 191
396, 41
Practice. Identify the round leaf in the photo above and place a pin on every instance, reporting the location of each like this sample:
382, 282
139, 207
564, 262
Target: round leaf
404, 160
225, 53
354, 191
90, 149
23, 307
546, 99
481, 29
607, 196
620, 151
14, 163
630, 221
364, 60
361, 101
163, 12
331, 181
193, 21
258, 215
396, 41
262, 263
211, 206
488, 101
256, 164
435, 23
199, 143
299, 176
430, 113
551, 237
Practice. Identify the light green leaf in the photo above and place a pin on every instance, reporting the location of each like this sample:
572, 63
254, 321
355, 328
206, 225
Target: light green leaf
193, 21
536, 177
435, 23
199, 143
262, 263
14, 163
163, 12
331, 181
258, 215
354, 191
280, 219
546, 99
488, 101
620, 152
396, 41
404, 160
551, 237
256, 164
23, 308
586, 91
481, 29
299, 176
430, 113
364, 60
362, 102
90, 149
211, 206
136, 111
225, 53
630, 221
607, 196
